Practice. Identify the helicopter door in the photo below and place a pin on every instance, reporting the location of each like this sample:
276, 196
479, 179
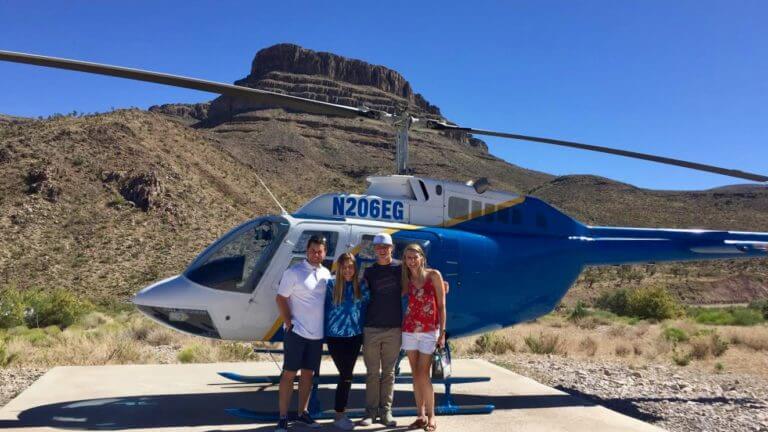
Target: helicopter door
362, 239
335, 236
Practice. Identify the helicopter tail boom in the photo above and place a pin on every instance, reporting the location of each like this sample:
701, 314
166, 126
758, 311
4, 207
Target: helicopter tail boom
610, 246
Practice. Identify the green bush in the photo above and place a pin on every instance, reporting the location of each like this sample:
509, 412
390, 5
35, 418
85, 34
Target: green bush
11, 307
189, 354
652, 303
616, 302
60, 308
579, 311
675, 335
5, 358
644, 303
726, 316
39, 309
760, 305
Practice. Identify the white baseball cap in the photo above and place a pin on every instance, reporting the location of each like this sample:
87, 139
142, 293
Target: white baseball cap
382, 239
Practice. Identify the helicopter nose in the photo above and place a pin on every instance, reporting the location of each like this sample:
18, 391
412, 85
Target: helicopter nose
171, 302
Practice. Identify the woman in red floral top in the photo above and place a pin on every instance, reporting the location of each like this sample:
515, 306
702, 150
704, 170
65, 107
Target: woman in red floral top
423, 329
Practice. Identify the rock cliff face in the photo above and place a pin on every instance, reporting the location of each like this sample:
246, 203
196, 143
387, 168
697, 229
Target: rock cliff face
291, 69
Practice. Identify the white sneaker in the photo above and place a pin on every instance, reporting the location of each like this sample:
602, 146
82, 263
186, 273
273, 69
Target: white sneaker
344, 423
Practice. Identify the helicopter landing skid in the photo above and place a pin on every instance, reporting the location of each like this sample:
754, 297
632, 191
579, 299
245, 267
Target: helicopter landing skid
446, 406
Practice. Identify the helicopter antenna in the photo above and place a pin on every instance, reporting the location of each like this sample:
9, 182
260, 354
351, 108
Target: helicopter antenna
282, 210
402, 123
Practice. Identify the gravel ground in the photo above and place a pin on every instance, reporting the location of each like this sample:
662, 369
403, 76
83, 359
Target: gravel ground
15, 380
676, 399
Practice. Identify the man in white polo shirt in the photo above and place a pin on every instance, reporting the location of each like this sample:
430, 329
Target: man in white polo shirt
301, 300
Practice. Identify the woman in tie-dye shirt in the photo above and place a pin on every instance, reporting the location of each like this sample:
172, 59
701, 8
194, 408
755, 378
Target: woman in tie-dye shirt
345, 302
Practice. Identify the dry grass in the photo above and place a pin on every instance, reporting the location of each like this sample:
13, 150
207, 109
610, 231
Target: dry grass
128, 338
738, 349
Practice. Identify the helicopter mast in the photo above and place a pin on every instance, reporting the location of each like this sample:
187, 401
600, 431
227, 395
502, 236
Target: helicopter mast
402, 123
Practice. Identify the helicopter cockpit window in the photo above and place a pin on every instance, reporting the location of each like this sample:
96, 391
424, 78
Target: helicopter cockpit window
238, 261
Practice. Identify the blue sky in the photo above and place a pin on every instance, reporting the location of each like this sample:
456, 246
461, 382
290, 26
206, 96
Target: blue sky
684, 79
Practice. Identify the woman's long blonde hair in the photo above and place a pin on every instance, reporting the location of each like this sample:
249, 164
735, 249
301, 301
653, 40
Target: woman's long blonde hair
406, 273
338, 289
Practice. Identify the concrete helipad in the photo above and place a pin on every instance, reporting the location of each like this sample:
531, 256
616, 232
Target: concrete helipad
194, 397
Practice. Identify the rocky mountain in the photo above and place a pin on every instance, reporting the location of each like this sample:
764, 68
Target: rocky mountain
104, 204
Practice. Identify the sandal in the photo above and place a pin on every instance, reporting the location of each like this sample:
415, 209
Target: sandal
430, 427
418, 424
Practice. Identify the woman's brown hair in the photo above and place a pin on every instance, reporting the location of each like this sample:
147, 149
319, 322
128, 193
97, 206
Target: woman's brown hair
338, 289
406, 274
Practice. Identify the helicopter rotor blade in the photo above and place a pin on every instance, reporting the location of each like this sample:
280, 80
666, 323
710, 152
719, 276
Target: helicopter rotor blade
325, 108
260, 96
433, 124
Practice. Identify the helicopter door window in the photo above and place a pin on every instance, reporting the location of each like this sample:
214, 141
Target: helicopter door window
300, 250
458, 208
238, 261
477, 208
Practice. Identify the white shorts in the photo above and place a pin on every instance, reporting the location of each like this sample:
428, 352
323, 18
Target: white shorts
423, 342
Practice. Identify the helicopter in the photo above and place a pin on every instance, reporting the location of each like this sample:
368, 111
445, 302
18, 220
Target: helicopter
474, 235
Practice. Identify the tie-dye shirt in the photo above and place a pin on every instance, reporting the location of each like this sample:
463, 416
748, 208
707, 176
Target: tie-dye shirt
346, 318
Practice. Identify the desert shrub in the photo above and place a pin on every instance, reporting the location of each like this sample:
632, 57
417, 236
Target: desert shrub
622, 350
726, 316
11, 307
545, 344
93, 320
681, 359
699, 348
746, 317
589, 346
493, 343
760, 305
35, 336
675, 335
235, 351
755, 338
60, 308
189, 354
616, 302
159, 336
579, 311
718, 346
6, 358
652, 303
719, 367
39, 309
618, 331
52, 330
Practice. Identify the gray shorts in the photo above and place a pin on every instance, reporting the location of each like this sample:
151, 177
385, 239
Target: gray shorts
301, 353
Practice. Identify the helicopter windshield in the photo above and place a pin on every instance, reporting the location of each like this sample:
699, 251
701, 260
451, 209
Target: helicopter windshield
237, 261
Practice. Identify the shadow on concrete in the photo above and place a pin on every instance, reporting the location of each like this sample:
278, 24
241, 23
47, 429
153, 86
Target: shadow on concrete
207, 409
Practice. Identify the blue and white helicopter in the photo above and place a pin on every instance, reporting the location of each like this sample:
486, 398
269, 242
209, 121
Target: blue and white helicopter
475, 236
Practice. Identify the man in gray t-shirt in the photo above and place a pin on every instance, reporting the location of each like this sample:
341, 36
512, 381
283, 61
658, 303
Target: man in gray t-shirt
382, 335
